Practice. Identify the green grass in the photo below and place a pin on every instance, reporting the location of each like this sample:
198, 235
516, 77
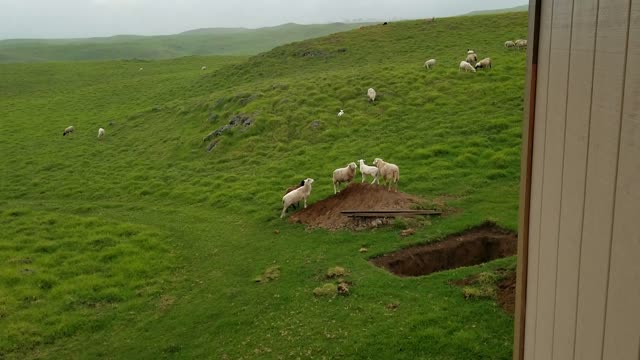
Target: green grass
524, 7
217, 41
202, 225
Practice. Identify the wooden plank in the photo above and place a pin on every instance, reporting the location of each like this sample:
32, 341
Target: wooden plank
622, 326
416, 212
552, 178
536, 178
607, 96
574, 170
382, 214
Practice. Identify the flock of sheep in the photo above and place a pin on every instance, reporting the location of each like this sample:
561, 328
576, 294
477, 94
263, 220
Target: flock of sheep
389, 172
471, 63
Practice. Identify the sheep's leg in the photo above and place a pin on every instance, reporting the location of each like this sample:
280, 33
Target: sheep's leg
361, 173
305, 202
335, 190
284, 209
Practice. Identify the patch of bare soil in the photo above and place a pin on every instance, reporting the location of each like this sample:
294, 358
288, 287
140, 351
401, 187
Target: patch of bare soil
474, 246
507, 293
357, 196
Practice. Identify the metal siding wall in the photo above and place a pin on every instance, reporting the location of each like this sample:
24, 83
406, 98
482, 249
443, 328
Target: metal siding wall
583, 290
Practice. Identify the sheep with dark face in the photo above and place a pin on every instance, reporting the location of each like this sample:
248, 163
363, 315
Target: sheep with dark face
68, 130
343, 175
484, 64
301, 193
290, 189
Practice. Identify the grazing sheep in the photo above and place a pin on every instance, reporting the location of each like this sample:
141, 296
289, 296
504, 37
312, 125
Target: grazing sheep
341, 112
430, 63
301, 193
472, 59
371, 94
368, 170
203, 68
469, 51
509, 44
140, 69
342, 175
484, 63
100, 133
389, 172
466, 66
68, 130
521, 43
290, 189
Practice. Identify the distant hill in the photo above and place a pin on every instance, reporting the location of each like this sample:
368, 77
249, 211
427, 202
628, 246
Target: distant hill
208, 41
524, 7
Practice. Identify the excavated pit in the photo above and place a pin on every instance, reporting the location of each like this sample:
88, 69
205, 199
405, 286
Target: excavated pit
472, 247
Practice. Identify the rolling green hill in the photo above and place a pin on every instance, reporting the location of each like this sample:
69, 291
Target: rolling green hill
213, 41
524, 7
144, 245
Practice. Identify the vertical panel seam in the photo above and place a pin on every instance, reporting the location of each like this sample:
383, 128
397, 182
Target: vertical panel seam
586, 170
544, 151
564, 150
615, 181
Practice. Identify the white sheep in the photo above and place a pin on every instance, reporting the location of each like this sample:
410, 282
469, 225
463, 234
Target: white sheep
521, 43
140, 69
100, 133
430, 63
345, 174
469, 51
68, 130
301, 193
484, 63
368, 170
466, 66
509, 44
390, 172
203, 68
472, 59
341, 112
371, 94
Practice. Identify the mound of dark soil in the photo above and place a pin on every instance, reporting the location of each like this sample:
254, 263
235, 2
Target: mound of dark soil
474, 246
507, 293
326, 213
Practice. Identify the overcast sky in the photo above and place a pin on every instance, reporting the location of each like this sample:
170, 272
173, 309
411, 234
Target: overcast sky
87, 18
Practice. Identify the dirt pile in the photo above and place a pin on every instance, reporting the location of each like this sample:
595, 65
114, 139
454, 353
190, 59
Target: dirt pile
326, 213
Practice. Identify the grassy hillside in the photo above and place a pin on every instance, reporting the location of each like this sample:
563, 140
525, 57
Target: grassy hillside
215, 41
144, 245
524, 7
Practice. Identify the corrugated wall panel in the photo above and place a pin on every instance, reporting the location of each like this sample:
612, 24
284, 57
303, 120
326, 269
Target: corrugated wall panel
536, 181
608, 83
573, 175
622, 327
556, 94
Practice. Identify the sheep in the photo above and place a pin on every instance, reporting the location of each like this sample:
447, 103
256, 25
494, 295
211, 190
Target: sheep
430, 63
203, 68
290, 189
466, 66
509, 44
472, 59
368, 170
521, 43
140, 69
469, 51
344, 174
301, 193
371, 94
389, 172
341, 112
484, 63
100, 133
68, 130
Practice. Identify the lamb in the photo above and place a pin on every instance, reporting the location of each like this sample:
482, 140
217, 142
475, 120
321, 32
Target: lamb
368, 170
484, 63
389, 172
345, 174
68, 130
430, 63
203, 68
341, 112
301, 193
466, 66
292, 188
371, 94
472, 59
140, 69
521, 43
509, 44
100, 133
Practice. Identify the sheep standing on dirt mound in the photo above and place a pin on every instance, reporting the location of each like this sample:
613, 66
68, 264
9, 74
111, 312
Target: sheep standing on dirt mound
301, 193
371, 94
368, 170
484, 64
466, 66
389, 172
430, 63
100, 133
68, 130
509, 44
290, 189
345, 174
